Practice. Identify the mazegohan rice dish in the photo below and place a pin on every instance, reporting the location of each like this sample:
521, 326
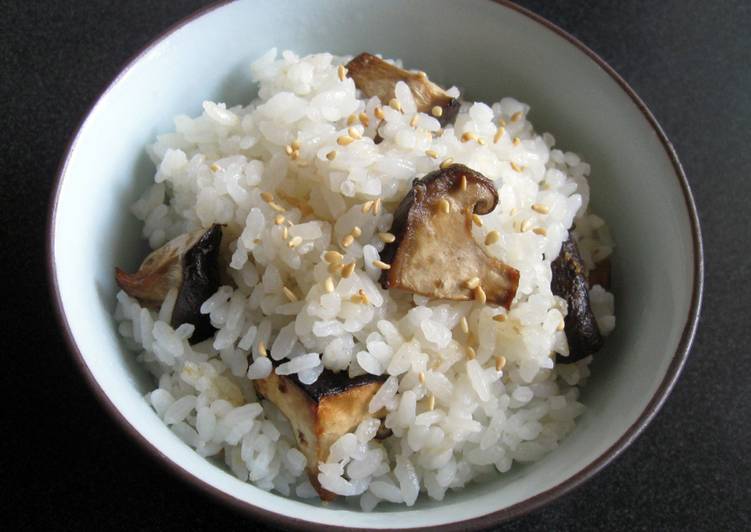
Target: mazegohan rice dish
364, 285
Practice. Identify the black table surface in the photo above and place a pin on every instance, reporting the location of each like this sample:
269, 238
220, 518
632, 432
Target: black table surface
67, 465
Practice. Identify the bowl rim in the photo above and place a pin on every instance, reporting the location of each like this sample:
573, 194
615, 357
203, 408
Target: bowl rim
484, 521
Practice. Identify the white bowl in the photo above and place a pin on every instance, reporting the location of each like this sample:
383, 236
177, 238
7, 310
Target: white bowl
489, 49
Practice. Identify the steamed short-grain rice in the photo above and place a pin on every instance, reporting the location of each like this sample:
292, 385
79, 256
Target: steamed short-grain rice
213, 169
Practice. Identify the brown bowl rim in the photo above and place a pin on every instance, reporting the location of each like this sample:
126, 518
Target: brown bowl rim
484, 521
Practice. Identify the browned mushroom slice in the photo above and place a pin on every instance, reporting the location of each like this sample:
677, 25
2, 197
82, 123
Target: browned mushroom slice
376, 77
188, 263
320, 412
570, 283
434, 253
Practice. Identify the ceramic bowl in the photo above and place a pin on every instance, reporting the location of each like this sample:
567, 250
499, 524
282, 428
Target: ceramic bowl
489, 49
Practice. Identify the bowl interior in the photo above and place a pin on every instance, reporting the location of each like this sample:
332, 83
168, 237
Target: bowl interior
488, 50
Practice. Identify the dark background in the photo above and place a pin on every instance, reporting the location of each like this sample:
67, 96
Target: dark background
67, 465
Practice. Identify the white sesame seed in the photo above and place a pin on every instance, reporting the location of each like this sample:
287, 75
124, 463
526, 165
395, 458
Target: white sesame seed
347, 269
492, 237
267, 197
444, 205
480, 295
386, 237
289, 294
473, 283
446, 163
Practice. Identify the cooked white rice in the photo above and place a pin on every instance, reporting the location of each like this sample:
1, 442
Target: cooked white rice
213, 168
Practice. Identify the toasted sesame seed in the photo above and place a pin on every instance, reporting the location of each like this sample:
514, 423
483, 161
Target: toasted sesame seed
395, 104
333, 257
500, 362
499, 134
516, 167
413, 122
516, 116
463, 183
344, 140
347, 241
333, 268
499, 317
354, 133
477, 220
289, 294
516, 141
466, 137
295, 155
351, 119
279, 219
422, 75
215, 167
432, 154
437, 111
347, 269
386, 237
268, 197
381, 265
328, 285
540, 231
473, 283
471, 353
513, 212
541, 208
561, 326
492, 237
288, 149
446, 163
471, 339
262, 349
431, 402
356, 231
378, 113
421, 377
285, 233
444, 206
364, 119
480, 295
481, 141
342, 72
377, 206
367, 206
464, 325
296, 241
277, 207
362, 296
525, 225
331, 155
295, 144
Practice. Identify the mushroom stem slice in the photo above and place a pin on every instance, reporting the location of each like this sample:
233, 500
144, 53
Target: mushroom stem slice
189, 263
434, 253
569, 282
376, 77
320, 412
